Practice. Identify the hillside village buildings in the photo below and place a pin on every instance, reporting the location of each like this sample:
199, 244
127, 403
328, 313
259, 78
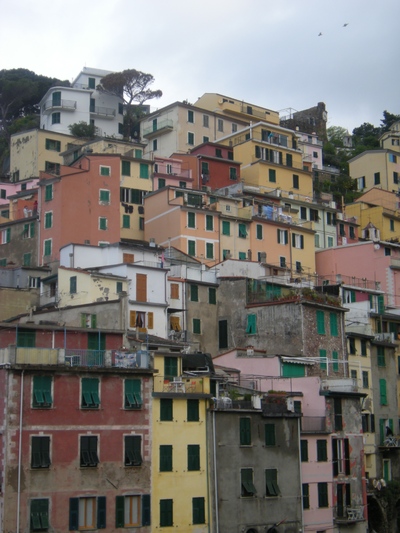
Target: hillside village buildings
191, 339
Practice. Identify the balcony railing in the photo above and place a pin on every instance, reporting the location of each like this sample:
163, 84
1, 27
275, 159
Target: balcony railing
181, 385
344, 513
67, 105
103, 111
161, 127
84, 357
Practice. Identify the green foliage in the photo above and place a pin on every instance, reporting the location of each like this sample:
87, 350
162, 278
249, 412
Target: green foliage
335, 135
82, 129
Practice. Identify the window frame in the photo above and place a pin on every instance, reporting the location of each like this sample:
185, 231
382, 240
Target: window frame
40, 452
90, 393
271, 483
88, 446
133, 450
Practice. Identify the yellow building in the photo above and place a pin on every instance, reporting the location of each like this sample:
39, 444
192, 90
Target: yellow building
179, 451
381, 209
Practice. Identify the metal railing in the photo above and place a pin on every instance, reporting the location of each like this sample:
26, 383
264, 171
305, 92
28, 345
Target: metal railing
59, 104
181, 384
347, 513
104, 111
163, 124
84, 357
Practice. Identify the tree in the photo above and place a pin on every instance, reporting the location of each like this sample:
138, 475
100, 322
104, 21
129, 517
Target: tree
82, 129
388, 120
336, 134
133, 87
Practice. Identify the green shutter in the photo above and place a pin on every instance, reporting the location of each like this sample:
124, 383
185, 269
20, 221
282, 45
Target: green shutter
271, 480
335, 357
382, 392
198, 514
269, 434
212, 295
304, 450
192, 410
194, 293
42, 391
293, 370
166, 412
245, 431
382, 431
333, 324
192, 248
170, 367
320, 323
322, 354
73, 514
144, 171
381, 304
146, 514
133, 397
209, 222
90, 392
126, 168
321, 450
193, 451
165, 458
166, 513
251, 328
226, 227
119, 511
101, 512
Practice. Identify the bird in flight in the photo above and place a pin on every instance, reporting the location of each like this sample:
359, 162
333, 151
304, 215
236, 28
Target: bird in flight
319, 35
345, 24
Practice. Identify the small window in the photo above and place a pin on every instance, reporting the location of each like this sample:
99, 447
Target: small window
270, 435
190, 138
271, 482
220, 124
323, 500
242, 231
126, 168
166, 412
192, 248
89, 457
209, 250
212, 295
102, 223
73, 284
27, 259
48, 220
41, 392
143, 171
190, 116
193, 457
191, 220
119, 287
132, 394
304, 450
132, 510
193, 411
209, 223
90, 393
197, 326
306, 495
198, 511
295, 181
165, 458
245, 431
333, 320
206, 121
104, 196
251, 328
377, 178
133, 450
166, 513
247, 486
233, 173
322, 453
272, 175
40, 452
126, 221
56, 118
105, 171
47, 244
39, 514
51, 144
48, 193
320, 322
194, 293
259, 232
87, 513
226, 227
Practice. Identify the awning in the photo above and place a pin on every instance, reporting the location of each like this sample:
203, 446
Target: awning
298, 360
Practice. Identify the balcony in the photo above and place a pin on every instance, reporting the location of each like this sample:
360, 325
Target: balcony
339, 385
346, 515
313, 424
181, 385
104, 112
64, 105
159, 128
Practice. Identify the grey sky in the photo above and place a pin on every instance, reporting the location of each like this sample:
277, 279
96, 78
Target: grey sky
262, 51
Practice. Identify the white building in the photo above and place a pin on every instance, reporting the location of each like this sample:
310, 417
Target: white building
82, 102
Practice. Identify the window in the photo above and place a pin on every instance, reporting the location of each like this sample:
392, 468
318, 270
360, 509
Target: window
209, 223
166, 513
233, 173
174, 291
90, 393
303, 213
282, 262
48, 193
218, 152
377, 178
132, 511
220, 124
306, 495
272, 175
352, 345
269, 434
190, 138
88, 320
205, 139
26, 261
165, 458
191, 220
251, 328
48, 220
246, 479
119, 287
304, 450
333, 321
40, 452
282, 236
39, 513
190, 116
298, 241
259, 231
133, 450
320, 322
222, 334
289, 160
166, 413
197, 326
365, 379
132, 394
198, 512
395, 177
193, 411
242, 256
192, 248
323, 362
87, 513
102, 223
170, 367
295, 181
212, 295
234, 128
6, 236
330, 242
193, 457
29, 231
144, 171
271, 482
381, 356
104, 196
194, 293
51, 144
56, 118
335, 358
314, 215
89, 455
322, 453
226, 227
3, 262
125, 168
206, 121
41, 392
47, 247
340, 457
391, 223
382, 392
361, 183
323, 495
73, 284
245, 431
363, 347
141, 223
242, 231
105, 171
126, 221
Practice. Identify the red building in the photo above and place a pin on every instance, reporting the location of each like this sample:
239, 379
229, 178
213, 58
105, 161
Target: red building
76, 439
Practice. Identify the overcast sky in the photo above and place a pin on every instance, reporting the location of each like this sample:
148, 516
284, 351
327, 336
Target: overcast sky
265, 52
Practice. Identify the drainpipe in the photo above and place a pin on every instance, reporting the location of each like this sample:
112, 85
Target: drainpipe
215, 477
20, 449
